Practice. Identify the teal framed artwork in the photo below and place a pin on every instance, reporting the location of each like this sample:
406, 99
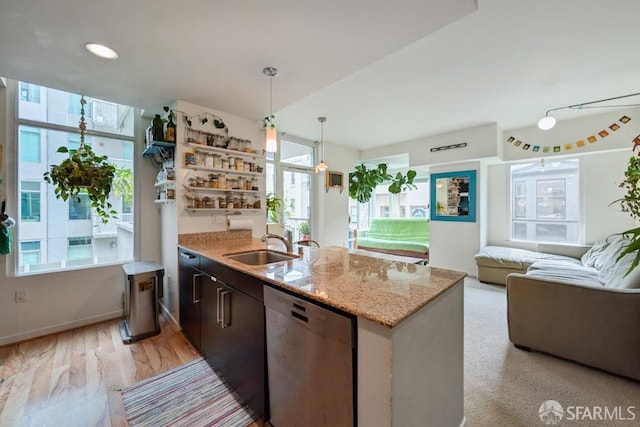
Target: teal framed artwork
453, 196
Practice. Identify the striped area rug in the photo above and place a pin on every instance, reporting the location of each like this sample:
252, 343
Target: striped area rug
188, 395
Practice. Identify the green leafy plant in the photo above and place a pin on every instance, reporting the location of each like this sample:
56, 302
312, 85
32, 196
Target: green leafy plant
84, 172
123, 184
268, 121
363, 181
305, 229
630, 203
274, 206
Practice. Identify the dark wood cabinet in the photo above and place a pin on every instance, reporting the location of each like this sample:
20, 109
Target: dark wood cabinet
233, 331
190, 285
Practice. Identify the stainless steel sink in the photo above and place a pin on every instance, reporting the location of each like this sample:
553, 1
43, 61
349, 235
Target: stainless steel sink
261, 257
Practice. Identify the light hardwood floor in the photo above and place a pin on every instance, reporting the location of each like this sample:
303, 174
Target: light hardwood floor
74, 378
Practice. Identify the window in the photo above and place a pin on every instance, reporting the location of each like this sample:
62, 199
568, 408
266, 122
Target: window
41, 129
520, 200
79, 207
290, 176
30, 201
29, 144
105, 114
550, 198
79, 248
545, 201
30, 253
407, 204
29, 93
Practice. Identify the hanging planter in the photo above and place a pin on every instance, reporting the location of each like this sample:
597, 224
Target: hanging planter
84, 172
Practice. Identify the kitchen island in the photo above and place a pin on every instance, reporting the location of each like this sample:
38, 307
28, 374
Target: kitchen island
409, 368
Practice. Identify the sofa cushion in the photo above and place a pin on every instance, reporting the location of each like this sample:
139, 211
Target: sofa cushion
615, 276
405, 229
592, 255
563, 271
521, 259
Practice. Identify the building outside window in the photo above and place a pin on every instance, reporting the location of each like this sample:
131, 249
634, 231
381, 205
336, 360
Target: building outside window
30, 253
29, 144
79, 207
545, 201
29, 93
46, 223
79, 248
30, 201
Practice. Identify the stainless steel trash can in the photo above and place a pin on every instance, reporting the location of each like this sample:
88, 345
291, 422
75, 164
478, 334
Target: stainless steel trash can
143, 288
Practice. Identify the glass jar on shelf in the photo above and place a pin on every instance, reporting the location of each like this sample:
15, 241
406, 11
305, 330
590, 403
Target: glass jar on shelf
222, 202
239, 164
234, 183
256, 201
217, 161
254, 184
213, 181
222, 181
224, 163
243, 201
234, 144
241, 183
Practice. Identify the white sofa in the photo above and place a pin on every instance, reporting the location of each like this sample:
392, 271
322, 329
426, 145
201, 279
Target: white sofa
495, 263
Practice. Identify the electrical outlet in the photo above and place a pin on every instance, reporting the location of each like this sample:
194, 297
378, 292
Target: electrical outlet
218, 219
22, 296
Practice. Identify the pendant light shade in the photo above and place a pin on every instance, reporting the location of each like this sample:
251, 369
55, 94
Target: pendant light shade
271, 142
272, 139
322, 166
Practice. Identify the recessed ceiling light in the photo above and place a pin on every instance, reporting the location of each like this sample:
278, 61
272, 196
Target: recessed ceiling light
101, 50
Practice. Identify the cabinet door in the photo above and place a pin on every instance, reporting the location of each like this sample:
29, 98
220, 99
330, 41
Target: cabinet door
243, 340
210, 320
189, 290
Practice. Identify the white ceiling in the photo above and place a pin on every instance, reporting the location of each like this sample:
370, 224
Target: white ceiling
380, 71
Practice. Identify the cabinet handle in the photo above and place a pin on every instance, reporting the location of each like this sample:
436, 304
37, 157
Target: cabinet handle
224, 311
187, 255
218, 304
193, 288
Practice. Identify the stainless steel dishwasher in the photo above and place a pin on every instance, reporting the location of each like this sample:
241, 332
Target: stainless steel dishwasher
310, 354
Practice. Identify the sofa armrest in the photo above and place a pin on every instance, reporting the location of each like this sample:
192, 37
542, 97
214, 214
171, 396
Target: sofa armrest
573, 251
591, 325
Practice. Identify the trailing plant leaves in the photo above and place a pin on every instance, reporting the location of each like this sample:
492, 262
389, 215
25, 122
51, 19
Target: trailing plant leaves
84, 171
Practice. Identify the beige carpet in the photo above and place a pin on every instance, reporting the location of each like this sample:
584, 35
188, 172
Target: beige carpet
505, 386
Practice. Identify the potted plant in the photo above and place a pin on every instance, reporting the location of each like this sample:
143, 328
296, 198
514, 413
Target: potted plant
84, 172
363, 181
274, 207
305, 230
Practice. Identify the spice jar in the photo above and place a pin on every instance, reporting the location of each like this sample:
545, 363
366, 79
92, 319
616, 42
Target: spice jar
189, 158
241, 183
222, 203
256, 202
217, 161
224, 163
239, 164
248, 184
222, 181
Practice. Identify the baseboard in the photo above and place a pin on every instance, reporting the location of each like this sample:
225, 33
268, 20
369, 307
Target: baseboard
60, 327
175, 325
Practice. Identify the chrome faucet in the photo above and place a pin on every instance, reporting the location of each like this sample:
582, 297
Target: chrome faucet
284, 240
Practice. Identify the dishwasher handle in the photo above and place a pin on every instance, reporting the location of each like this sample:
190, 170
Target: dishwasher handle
297, 315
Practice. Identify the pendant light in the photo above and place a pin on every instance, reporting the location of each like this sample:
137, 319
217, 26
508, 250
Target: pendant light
271, 143
322, 166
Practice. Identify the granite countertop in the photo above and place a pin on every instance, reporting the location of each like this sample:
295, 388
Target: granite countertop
385, 291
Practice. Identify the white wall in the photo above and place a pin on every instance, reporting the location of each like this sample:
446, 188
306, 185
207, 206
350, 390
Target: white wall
452, 244
240, 127
59, 301
333, 205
